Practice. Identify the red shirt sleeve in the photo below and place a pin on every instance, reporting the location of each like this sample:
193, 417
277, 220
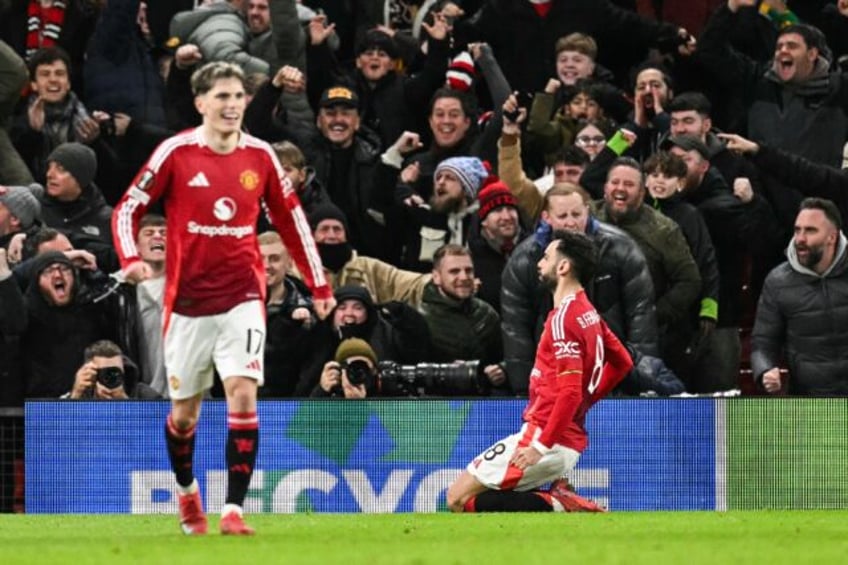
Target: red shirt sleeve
146, 188
617, 363
288, 217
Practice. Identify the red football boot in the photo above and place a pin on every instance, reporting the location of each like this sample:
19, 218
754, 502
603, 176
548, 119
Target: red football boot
192, 517
570, 500
232, 524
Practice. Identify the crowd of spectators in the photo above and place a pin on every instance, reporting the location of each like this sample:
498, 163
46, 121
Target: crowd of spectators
435, 147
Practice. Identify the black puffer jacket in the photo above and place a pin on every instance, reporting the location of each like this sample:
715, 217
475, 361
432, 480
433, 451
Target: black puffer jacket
804, 317
88, 214
363, 196
621, 291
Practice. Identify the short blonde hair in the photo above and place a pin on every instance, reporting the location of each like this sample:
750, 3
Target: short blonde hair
565, 189
269, 238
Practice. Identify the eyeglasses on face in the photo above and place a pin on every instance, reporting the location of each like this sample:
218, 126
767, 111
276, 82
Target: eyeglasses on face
57, 268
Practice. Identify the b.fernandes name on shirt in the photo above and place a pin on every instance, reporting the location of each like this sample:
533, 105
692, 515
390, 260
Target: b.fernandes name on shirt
588, 319
220, 230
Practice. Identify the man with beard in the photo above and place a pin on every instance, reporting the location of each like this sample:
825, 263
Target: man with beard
343, 266
51, 311
462, 327
652, 92
802, 315
493, 239
621, 290
447, 218
578, 361
258, 17
677, 283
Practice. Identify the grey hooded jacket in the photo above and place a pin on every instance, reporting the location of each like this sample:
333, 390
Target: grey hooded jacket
802, 317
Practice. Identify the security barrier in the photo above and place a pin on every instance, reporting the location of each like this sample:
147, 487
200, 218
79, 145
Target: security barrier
400, 455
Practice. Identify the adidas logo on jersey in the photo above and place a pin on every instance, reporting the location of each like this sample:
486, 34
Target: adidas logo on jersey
199, 180
254, 365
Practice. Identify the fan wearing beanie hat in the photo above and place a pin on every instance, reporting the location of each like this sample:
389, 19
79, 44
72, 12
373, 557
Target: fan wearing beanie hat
19, 209
354, 359
329, 229
355, 347
71, 200
77, 159
500, 230
469, 172
495, 194
460, 75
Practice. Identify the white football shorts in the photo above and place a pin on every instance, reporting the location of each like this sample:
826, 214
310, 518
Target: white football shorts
493, 470
232, 342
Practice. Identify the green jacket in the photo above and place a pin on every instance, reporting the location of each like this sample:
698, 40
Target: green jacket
677, 282
549, 134
13, 77
466, 329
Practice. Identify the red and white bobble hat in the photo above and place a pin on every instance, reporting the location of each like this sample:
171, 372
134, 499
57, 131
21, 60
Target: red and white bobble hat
461, 72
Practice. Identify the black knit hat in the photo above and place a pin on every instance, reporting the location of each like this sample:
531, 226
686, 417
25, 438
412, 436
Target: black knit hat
328, 211
77, 159
376, 39
44, 260
351, 292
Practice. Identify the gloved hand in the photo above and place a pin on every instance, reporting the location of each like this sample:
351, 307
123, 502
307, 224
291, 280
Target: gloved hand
651, 373
705, 329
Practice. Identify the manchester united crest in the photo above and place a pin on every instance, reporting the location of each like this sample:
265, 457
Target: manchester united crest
249, 179
174, 381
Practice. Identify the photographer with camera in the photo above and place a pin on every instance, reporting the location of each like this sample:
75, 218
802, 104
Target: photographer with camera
107, 375
356, 315
352, 373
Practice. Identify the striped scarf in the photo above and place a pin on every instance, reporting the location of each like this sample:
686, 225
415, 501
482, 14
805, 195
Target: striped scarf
44, 24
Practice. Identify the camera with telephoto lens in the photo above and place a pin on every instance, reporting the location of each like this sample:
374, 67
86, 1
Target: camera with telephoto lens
460, 378
358, 373
110, 377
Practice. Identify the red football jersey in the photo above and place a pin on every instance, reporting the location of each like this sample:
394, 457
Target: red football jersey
212, 202
578, 361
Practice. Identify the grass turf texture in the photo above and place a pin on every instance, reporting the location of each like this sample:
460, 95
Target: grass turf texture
623, 537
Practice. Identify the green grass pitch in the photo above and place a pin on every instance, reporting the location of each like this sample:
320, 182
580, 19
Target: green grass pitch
767, 537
